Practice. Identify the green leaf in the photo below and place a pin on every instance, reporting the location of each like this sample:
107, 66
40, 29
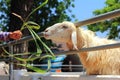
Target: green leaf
110, 2
40, 6
21, 59
43, 44
38, 70
39, 51
11, 55
21, 54
31, 25
49, 64
25, 60
46, 56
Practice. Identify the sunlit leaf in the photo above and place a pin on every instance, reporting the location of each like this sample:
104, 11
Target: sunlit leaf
49, 65
43, 44
40, 6
21, 59
10, 55
39, 51
19, 54
31, 25
46, 56
26, 59
38, 70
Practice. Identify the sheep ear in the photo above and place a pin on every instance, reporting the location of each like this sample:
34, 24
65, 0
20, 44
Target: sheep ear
74, 40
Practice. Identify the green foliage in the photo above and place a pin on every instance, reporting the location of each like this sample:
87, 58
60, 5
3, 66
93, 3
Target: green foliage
30, 25
111, 24
38, 70
34, 10
42, 15
55, 11
4, 14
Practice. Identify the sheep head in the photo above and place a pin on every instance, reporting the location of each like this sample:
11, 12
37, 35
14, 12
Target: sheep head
62, 32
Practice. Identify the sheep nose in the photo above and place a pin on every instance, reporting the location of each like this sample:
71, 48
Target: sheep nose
41, 34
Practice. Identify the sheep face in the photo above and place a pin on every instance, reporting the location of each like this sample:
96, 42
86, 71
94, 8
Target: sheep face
61, 32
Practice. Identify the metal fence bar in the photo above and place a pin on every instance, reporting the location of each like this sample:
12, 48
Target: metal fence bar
109, 15
96, 48
39, 65
11, 63
99, 18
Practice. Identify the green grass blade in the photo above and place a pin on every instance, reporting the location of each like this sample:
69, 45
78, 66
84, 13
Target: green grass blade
21, 59
11, 55
44, 44
35, 25
49, 64
31, 25
44, 3
23, 26
46, 56
38, 70
19, 54
25, 60
39, 51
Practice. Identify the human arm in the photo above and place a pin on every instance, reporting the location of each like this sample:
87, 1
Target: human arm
5, 36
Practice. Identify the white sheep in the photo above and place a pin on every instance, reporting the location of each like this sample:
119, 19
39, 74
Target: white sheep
104, 62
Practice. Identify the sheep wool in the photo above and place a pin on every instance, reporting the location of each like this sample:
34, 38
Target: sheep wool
103, 62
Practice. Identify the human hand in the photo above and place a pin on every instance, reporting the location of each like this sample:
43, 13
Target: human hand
15, 35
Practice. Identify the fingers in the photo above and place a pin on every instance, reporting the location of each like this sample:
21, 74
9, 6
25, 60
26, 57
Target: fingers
18, 32
16, 35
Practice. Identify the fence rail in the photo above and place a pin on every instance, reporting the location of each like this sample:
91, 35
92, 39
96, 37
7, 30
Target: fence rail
109, 46
99, 18
109, 15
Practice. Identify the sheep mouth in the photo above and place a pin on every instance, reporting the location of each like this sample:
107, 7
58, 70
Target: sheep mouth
43, 34
46, 35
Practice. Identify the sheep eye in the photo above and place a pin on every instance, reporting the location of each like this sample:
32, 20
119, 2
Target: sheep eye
65, 27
